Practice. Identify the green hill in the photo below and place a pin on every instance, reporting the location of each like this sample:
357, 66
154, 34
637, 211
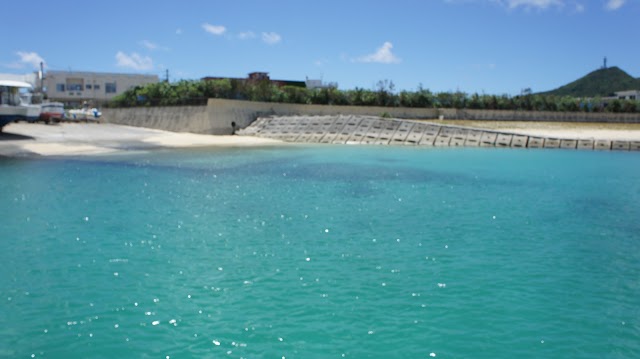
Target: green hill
602, 82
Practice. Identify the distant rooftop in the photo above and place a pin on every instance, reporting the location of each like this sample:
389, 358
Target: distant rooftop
90, 73
259, 76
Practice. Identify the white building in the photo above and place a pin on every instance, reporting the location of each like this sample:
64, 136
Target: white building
628, 95
73, 88
318, 84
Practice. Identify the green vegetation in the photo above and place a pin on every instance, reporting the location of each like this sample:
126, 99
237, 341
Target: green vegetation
197, 92
599, 83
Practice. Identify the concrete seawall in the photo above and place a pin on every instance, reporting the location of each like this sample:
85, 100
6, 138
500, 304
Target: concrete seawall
546, 116
223, 117
193, 119
348, 129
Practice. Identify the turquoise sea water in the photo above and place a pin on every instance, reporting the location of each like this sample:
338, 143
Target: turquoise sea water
322, 252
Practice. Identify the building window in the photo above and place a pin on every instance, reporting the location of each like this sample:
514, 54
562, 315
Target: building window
88, 87
75, 84
60, 88
110, 87
96, 87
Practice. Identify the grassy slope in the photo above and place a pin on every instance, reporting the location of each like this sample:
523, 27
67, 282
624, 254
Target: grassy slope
602, 82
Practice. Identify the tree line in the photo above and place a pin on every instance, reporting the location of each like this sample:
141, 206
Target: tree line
196, 92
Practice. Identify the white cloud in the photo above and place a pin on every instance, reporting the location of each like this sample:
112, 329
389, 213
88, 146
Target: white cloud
575, 6
614, 4
214, 29
149, 45
178, 31
134, 61
28, 58
382, 56
578, 6
532, 4
246, 35
271, 38
152, 45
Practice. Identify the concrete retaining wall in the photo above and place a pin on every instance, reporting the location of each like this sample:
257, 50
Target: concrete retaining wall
223, 117
220, 116
547, 116
348, 129
177, 119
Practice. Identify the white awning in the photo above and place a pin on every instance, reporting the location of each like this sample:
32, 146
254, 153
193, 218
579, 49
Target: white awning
12, 83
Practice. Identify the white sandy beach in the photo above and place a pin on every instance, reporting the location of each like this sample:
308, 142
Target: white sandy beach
562, 130
23, 139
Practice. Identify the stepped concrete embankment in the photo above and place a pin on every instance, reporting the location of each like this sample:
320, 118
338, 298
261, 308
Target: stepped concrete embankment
349, 129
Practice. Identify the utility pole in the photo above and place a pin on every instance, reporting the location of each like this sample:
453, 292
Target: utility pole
41, 73
167, 76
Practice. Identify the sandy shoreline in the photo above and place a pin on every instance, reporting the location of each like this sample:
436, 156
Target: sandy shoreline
74, 139
27, 139
562, 130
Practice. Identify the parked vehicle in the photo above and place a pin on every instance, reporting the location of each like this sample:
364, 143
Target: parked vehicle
52, 112
84, 114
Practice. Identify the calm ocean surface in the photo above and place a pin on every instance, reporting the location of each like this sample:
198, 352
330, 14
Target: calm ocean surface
322, 252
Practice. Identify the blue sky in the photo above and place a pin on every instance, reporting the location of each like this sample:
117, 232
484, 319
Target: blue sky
490, 46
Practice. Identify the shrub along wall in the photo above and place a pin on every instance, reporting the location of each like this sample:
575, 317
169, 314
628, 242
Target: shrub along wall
185, 92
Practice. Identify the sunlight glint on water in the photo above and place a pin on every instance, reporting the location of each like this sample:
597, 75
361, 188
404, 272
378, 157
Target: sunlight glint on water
322, 252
